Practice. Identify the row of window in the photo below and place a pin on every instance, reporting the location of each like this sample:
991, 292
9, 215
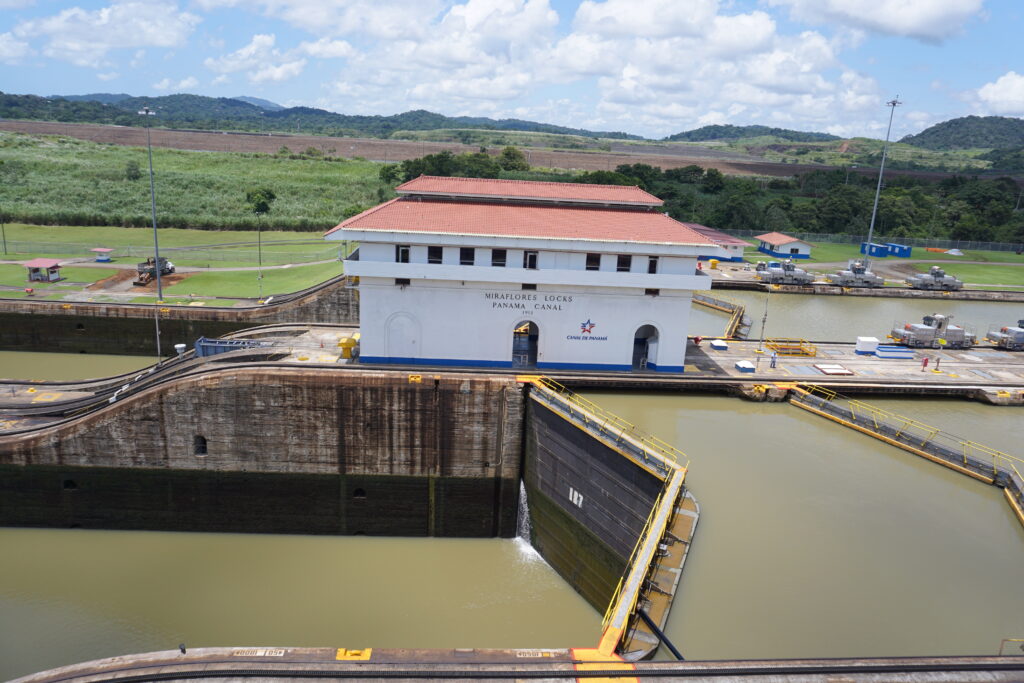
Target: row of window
499, 258
405, 282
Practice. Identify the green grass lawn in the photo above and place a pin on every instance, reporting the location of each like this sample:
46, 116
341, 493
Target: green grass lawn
1012, 276
17, 276
244, 283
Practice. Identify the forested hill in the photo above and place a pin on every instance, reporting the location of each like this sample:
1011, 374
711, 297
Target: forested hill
222, 113
730, 132
966, 132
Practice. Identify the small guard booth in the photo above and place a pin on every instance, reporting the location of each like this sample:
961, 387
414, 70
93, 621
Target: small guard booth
102, 254
43, 270
783, 246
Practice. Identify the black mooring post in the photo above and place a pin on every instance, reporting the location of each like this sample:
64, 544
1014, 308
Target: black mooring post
661, 636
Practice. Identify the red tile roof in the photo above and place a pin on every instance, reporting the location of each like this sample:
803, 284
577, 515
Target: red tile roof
528, 189
41, 263
776, 239
717, 236
517, 220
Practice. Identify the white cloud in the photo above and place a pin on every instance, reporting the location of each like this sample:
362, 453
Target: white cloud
220, 80
651, 18
12, 49
260, 60
15, 4
183, 84
281, 72
325, 48
391, 20
1005, 95
259, 50
84, 37
109, 76
928, 20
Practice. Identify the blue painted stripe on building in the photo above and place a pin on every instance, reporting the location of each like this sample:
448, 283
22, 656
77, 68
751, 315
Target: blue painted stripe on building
455, 362
584, 366
777, 254
669, 368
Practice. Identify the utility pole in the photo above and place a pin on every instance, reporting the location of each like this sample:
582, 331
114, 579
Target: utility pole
892, 104
147, 112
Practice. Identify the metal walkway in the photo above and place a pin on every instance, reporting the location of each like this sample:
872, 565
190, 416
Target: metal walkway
967, 457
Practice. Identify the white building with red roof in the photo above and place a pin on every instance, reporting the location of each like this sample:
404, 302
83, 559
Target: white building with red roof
507, 273
783, 246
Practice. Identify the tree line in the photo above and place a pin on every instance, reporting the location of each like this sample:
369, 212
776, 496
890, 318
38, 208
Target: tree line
826, 201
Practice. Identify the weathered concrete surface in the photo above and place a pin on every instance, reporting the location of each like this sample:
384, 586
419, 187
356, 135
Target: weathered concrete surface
28, 325
287, 450
292, 663
878, 292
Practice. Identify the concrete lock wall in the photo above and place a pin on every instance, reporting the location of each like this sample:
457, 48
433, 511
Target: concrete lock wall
87, 327
588, 503
286, 451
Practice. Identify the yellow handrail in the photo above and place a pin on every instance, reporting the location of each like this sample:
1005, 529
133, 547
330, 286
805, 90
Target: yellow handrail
908, 427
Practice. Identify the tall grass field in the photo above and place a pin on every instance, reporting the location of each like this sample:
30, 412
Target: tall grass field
52, 180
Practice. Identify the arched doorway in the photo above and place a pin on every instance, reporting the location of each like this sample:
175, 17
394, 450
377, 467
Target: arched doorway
524, 344
645, 347
402, 338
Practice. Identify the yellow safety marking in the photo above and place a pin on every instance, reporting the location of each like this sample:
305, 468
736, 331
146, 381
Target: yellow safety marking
66, 306
328, 358
415, 379
1002, 393
590, 659
786, 385
165, 310
346, 655
691, 368
30, 391
528, 379
48, 396
8, 424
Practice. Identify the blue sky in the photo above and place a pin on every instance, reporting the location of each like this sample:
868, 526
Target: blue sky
650, 67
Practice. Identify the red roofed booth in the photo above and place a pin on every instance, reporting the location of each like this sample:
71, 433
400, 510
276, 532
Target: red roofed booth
43, 270
783, 246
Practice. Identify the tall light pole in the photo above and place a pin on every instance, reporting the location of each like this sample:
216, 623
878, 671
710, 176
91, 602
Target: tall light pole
147, 112
892, 104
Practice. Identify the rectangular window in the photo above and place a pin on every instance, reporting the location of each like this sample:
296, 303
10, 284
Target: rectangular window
530, 260
498, 257
401, 253
652, 292
435, 255
624, 263
529, 287
467, 256
401, 281
794, 250
593, 262
652, 265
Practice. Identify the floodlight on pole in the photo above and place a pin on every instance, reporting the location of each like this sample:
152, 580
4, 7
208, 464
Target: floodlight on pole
147, 112
892, 104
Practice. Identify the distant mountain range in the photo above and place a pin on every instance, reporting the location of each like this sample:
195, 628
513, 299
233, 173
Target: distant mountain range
967, 132
265, 105
730, 132
248, 113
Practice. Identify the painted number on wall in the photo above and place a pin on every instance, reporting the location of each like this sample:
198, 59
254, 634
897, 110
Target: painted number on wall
575, 497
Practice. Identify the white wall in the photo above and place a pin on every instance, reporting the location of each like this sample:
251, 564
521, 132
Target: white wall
472, 323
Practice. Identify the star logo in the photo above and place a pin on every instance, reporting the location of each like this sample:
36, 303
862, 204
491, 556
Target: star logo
587, 327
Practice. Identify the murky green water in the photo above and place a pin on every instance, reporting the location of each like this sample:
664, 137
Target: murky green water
66, 366
73, 595
836, 318
818, 541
